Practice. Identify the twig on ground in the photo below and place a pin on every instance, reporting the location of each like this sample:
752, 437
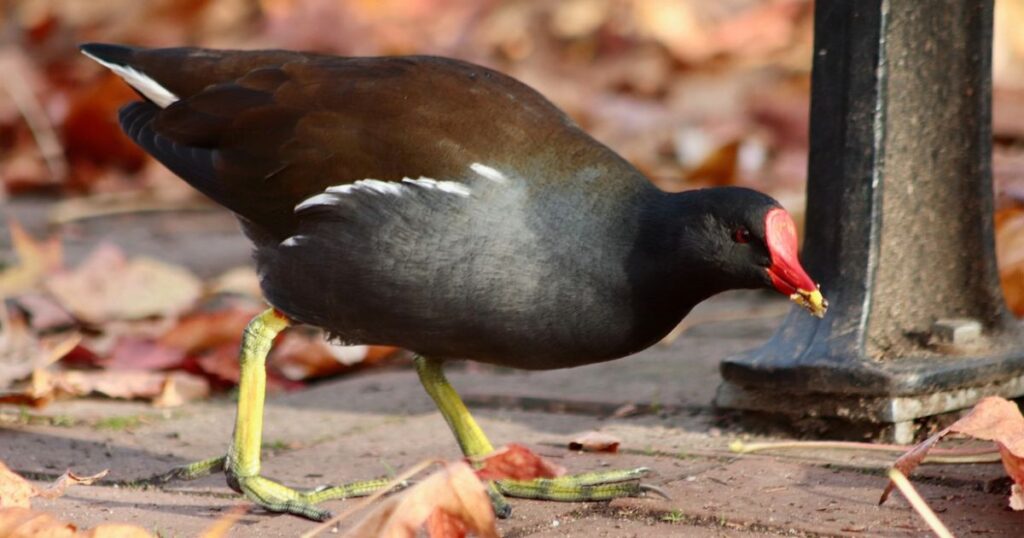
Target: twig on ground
915, 500
937, 455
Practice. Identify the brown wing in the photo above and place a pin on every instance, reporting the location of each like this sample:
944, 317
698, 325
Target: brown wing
261, 131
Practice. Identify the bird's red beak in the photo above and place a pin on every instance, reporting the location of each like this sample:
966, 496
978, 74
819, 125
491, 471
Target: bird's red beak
786, 273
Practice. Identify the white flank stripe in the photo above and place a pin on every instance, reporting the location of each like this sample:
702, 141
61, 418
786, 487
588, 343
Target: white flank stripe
450, 187
488, 172
373, 185
138, 80
320, 199
293, 241
332, 196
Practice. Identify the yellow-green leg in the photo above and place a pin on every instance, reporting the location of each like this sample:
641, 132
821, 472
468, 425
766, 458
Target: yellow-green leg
596, 486
242, 463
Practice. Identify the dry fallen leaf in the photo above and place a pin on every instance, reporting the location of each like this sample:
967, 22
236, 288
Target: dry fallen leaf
515, 462
221, 364
992, 419
452, 499
300, 355
595, 442
108, 286
36, 259
22, 354
69, 478
165, 388
14, 490
205, 330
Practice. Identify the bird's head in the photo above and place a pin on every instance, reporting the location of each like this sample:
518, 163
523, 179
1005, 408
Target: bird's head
751, 242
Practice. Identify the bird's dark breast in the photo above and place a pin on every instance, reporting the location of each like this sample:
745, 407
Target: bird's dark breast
494, 277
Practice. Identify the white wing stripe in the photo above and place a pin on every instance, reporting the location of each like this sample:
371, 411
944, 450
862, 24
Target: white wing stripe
332, 196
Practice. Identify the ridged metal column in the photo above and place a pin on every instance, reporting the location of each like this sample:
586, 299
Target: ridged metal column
899, 226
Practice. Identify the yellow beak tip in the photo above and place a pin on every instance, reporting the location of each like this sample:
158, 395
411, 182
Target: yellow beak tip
812, 300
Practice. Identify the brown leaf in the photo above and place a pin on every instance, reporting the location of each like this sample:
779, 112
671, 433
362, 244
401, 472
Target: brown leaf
129, 384
221, 364
14, 490
57, 488
455, 490
303, 355
200, 331
515, 462
108, 286
992, 419
595, 442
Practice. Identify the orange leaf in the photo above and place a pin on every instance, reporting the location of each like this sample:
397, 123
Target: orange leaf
441, 524
992, 419
515, 462
300, 356
207, 330
595, 442
14, 490
454, 490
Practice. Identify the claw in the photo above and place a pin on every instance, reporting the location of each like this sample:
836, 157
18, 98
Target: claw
645, 488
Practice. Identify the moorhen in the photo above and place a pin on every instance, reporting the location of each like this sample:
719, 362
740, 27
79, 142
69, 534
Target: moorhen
443, 207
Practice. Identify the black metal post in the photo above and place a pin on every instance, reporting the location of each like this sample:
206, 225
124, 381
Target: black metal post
899, 226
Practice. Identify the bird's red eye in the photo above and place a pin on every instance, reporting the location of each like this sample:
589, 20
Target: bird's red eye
741, 235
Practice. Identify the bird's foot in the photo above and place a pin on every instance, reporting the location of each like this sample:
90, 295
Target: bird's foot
275, 497
270, 495
593, 486
189, 471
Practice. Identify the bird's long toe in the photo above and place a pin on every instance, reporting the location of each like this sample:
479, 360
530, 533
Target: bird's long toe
593, 486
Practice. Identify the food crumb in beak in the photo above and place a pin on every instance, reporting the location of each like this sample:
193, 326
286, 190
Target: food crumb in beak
813, 301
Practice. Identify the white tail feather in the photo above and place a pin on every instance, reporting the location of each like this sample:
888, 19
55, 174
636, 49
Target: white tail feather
138, 80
